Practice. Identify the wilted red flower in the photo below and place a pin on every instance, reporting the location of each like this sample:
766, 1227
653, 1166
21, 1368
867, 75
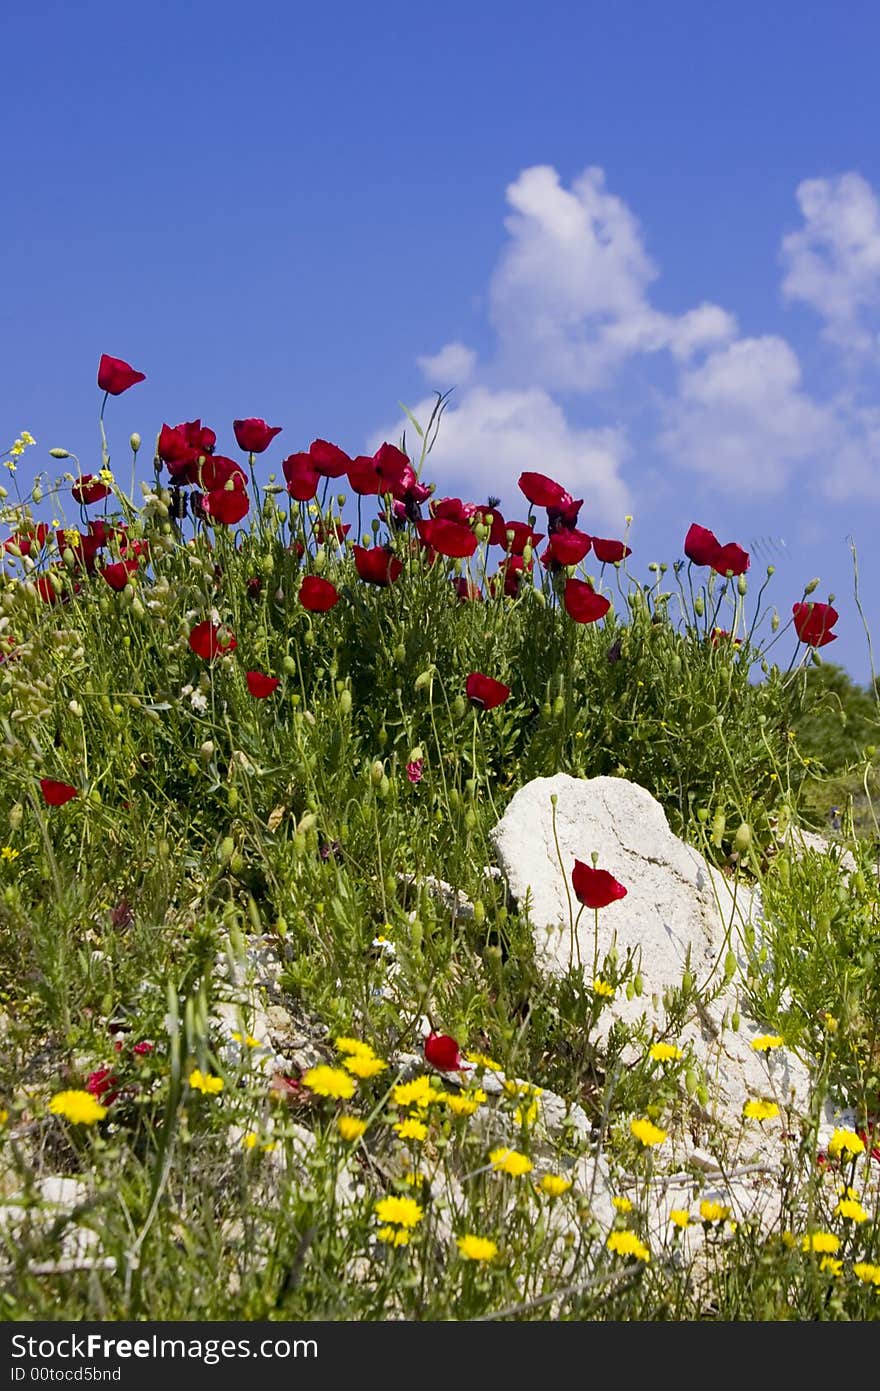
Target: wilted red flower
609, 552
117, 575
302, 476
318, 595
377, 566
226, 505
813, 623
542, 491
595, 888
116, 376
701, 545
485, 691
466, 589
328, 459
442, 1052
205, 641
448, 537
89, 488
582, 603
414, 770
567, 546
102, 1084
730, 560
253, 435
260, 685
522, 536
57, 793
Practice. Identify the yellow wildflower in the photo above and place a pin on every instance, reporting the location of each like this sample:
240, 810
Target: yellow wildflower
350, 1128
393, 1236
622, 1204
205, 1082
461, 1105
78, 1107
403, 1212
411, 1129
825, 1242
852, 1209
419, 1092
764, 1042
760, 1110
711, 1211
362, 1065
247, 1039
665, 1052
646, 1131
8, 854
864, 1270
480, 1060
603, 989
680, 1217
628, 1244
553, 1185
355, 1046
329, 1081
831, 1264
511, 1162
477, 1248
845, 1142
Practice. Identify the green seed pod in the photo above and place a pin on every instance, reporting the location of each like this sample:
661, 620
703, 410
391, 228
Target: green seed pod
226, 850
735, 1021
384, 788
699, 606
309, 637
344, 702
741, 584
743, 838
423, 680
236, 862
703, 815
479, 912
288, 666
399, 654
638, 983
470, 818
703, 1095
630, 990
134, 441
719, 823
383, 737
459, 706
691, 1081
729, 966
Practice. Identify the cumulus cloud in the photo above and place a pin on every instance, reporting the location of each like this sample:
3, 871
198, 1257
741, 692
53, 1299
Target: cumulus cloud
833, 262
569, 296
493, 436
742, 419
452, 366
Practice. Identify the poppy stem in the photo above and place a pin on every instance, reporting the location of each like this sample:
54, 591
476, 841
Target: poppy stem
595, 942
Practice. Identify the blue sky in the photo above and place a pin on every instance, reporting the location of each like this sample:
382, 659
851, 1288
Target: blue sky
641, 240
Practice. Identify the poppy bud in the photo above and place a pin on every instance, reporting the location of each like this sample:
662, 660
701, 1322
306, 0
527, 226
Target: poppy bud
344, 702
424, 679
743, 838
288, 666
479, 912
60, 453
729, 966
691, 1081
383, 737
735, 1021
458, 707
16, 814
699, 606
384, 787
377, 772
808, 588
135, 442
741, 584
399, 653
719, 822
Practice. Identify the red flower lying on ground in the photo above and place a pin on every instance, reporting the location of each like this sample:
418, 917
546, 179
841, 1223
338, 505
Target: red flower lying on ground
595, 888
254, 435
116, 376
485, 692
57, 793
813, 623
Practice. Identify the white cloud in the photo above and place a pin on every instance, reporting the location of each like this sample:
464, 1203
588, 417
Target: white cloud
833, 261
742, 420
568, 297
452, 366
491, 437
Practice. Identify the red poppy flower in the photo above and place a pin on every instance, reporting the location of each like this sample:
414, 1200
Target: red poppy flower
719, 634
339, 533
701, 545
328, 459
485, 692
83, 548
582, 603
568, 547
511, 572
46, 589
542, 491
497, 526
260, 685
449, 538
730, 559
414, 770
442, 1052
566, 515
466, 589
57, 793
609, 552
377, 566
183, 444
522, 536
205, 641
595, 888
317, 595
142, 1048
116, 376
384, 472
86, 491
226, 505
253, 436
103, 1085
452, 509
302, 476
813, 623
117, 575
27, 541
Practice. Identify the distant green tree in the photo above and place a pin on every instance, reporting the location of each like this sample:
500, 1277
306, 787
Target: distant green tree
834, 719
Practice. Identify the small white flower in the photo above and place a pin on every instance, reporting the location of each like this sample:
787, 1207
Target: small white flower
199, 702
